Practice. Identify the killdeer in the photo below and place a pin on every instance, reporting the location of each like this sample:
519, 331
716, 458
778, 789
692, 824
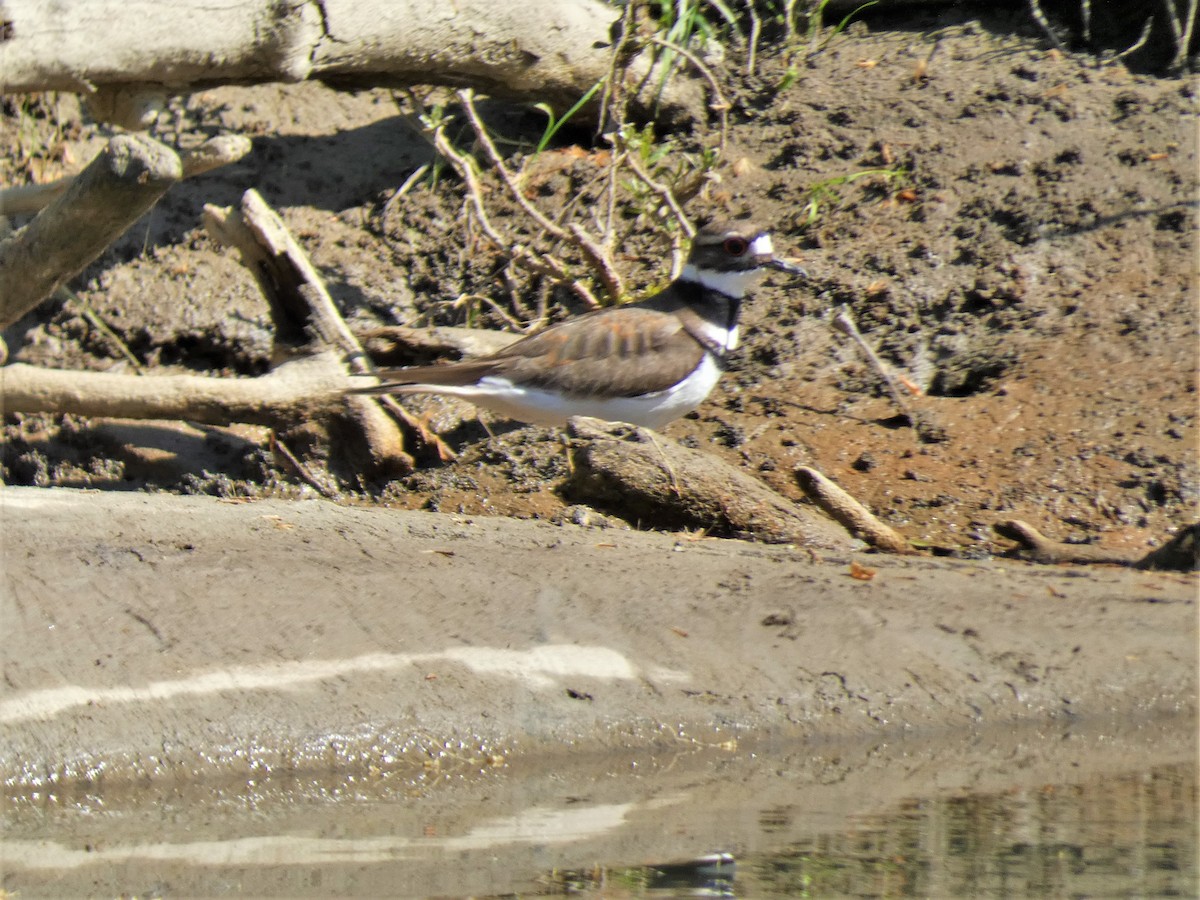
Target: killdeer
646, 363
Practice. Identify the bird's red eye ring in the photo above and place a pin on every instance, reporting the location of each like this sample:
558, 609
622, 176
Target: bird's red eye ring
736, 246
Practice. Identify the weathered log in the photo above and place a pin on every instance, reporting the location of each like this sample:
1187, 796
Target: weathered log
652, 480
540, 50
112, 193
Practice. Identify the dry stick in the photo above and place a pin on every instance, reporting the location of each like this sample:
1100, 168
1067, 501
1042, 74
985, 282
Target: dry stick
1036, 547
755, 32
613, 93
112, 193
90, 316
595, 254
849, 513
407, 186
614, 107
789, 21
1035, 10
845, 324
305, 317
521, 255
301, 471
719, 104
1182, 34
212, 154
303, 311
663, 192
1139, 43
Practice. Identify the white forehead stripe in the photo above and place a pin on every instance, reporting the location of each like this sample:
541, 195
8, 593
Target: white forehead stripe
761, 246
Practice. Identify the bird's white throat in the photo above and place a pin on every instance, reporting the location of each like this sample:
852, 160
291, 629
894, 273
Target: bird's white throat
731, 284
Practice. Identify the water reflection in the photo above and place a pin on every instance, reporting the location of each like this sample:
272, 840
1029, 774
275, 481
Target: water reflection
1133, 834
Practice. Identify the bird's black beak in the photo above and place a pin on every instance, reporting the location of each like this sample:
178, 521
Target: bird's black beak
774, 262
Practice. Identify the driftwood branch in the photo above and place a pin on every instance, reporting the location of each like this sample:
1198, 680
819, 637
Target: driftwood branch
538, 50
212, 154
297, 390
112, 193
301, 308
853, 516
306, 321
1181, 553
658, 482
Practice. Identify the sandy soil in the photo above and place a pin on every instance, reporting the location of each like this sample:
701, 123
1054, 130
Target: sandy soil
1031, 274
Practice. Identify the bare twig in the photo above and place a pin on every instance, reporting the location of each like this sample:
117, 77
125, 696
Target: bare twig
844, 323
678, 257
1181, 32
612, 96
1035, 10
755, 33
718, 104
298, 468
613, 112
523, 256
1185, 42
1139, 43
664, 192
101, 326
789, 22
407, 186
595, 255
851, 514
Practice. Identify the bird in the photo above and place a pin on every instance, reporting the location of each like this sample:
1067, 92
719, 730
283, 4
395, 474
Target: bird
645, 363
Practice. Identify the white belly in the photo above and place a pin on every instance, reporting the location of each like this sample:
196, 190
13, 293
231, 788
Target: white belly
544, 408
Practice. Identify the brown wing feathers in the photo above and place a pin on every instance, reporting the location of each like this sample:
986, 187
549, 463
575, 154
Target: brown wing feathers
637, 351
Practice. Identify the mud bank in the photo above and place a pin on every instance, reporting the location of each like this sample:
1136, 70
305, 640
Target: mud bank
159, 637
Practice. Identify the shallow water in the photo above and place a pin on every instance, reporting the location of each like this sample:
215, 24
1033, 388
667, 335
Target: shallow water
1128, 834
1070, 810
